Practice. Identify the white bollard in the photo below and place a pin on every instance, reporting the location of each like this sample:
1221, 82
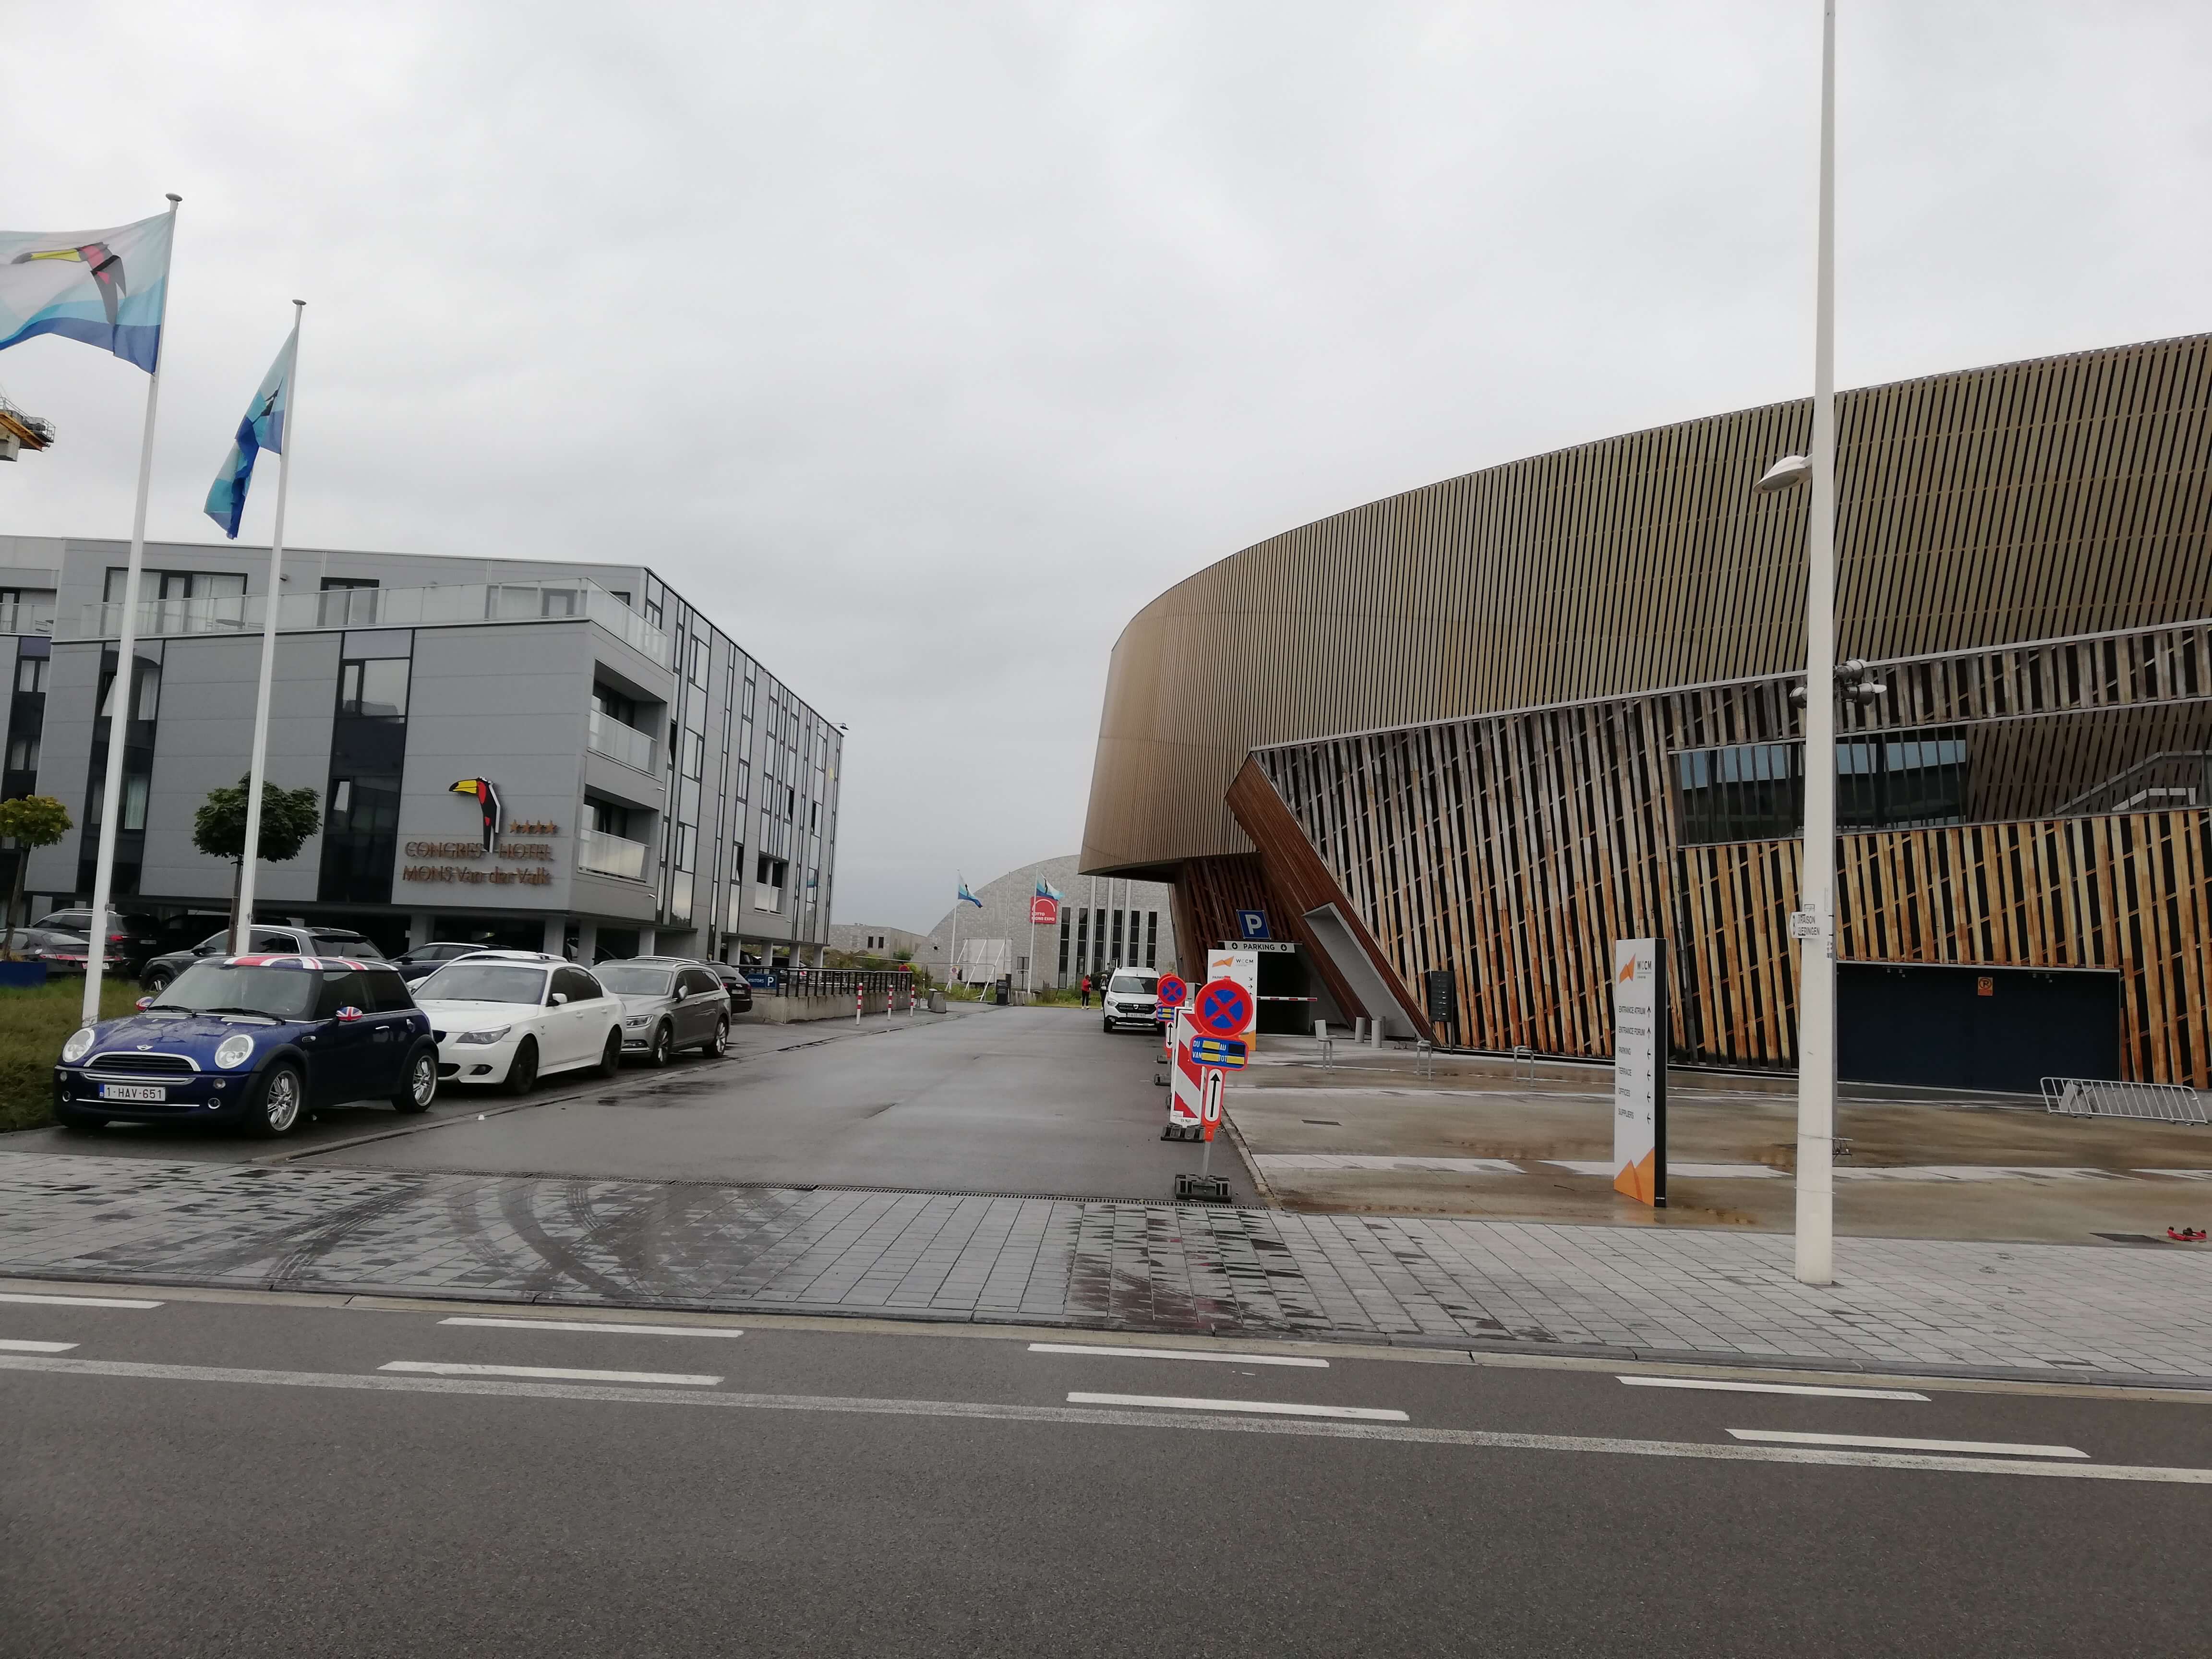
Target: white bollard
1359, 1027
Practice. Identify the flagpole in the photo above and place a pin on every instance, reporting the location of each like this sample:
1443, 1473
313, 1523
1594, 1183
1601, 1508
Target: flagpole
952, 968
126, 651
1029, 963
242, 922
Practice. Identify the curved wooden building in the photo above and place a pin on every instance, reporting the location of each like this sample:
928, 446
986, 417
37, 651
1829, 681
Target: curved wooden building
1484, 727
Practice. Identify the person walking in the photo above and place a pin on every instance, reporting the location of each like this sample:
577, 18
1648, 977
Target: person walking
1086, 990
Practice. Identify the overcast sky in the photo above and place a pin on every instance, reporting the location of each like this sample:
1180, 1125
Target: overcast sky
921, 343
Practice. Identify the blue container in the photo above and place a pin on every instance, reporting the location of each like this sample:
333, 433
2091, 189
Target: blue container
22, 973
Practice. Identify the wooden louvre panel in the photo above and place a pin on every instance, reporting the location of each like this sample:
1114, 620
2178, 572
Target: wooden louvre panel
1978, 512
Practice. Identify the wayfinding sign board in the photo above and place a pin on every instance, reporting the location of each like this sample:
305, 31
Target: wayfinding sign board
1639, 1070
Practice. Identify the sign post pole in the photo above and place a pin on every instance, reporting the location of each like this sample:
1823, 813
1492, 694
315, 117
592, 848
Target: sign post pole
1639, 1070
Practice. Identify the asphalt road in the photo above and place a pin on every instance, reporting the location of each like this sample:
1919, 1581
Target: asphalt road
997, 1100
250, 1475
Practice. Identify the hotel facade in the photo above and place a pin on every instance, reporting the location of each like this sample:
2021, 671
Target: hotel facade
536, 755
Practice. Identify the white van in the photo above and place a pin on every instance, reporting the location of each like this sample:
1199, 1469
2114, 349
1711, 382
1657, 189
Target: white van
1133, 998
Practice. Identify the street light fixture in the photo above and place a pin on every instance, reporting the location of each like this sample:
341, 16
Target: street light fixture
1813, 922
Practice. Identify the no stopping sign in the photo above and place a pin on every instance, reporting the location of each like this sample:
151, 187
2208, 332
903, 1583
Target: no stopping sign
1222, 1009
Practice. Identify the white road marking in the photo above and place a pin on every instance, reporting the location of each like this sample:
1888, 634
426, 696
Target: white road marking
1785, 1437
1295, 1162
1720, 1386
1274, 1408
1694, 1171
76, 1301
975, 1411
1177, 1353
18, 1345
552, 1373
595, 1325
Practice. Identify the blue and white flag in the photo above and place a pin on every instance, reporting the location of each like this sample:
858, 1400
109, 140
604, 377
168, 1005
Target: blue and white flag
261, 428
969, 896
1046, 890
104, 288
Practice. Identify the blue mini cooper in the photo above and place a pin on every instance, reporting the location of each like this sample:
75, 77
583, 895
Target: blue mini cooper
255, 1040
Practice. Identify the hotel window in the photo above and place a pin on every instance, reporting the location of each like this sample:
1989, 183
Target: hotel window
23, 755
694, 754
359, 837
149, 691
374, 689
31, 674
136, 787
1151, 937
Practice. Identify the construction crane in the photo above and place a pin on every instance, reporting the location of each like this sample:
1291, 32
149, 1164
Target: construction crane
20, 431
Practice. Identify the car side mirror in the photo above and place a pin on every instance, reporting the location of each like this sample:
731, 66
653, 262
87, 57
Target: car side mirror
560, 997
145, 1002
347, 1016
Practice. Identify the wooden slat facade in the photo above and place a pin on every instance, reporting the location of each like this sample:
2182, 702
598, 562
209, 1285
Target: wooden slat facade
1978, 511
1513, 850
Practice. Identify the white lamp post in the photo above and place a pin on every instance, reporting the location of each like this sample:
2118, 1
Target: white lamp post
1814, 925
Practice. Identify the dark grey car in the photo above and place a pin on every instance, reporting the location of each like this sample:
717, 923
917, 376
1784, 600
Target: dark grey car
264, 941
669, 1003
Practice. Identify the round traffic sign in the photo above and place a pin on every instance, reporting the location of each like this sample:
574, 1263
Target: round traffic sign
1223, 1008
1172, 991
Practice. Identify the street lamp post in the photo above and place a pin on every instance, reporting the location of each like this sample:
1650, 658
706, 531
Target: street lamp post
1814, 925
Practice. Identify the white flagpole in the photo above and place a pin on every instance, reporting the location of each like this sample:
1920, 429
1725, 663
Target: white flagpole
1029, 963
126, 651
241, 924
952, 968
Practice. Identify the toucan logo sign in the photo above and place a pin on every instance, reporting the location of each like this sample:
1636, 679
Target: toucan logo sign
492, 829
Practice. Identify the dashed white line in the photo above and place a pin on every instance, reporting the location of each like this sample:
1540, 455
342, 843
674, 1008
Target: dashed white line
18, 1345
595, 1325
76, 1301
1069, 1416
1818, 1392
1272, 1407
1987, 1448
1119, 1352
560, 1373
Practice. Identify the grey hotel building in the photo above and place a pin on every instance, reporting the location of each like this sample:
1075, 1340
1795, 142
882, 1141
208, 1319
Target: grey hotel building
533, 755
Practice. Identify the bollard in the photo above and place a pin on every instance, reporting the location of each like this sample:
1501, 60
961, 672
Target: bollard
856, 1003
1378, 1034
1359, 1029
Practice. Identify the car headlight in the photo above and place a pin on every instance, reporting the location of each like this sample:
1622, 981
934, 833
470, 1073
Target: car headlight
233, 1052
638, 1023
495, 1035
78, 1046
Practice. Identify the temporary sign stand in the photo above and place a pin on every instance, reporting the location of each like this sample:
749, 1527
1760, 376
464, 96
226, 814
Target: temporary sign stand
1172, 994
1205, 1187
1639, 1070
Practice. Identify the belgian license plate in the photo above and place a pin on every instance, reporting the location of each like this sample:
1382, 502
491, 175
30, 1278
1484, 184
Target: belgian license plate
132, 1091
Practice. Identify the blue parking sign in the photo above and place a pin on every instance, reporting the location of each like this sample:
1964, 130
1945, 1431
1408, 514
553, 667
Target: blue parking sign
1252, 924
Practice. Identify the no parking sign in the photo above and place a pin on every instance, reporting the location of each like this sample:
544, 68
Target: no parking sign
1172, 993
1224, 1009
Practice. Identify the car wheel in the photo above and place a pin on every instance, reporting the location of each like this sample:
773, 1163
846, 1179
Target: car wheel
422, 1084
664, 1045
1108, 1028
522, 1075
719, 1044
284, 1101
611, 1056
157, 982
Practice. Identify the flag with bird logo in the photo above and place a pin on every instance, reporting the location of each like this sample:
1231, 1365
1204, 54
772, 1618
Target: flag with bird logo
103, 288
261, 428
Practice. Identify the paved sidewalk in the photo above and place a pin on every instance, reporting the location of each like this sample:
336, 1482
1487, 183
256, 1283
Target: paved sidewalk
2054, 1310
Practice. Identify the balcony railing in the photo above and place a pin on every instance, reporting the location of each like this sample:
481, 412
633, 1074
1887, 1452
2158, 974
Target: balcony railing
16, 618
610, 737
604, 855
387, 607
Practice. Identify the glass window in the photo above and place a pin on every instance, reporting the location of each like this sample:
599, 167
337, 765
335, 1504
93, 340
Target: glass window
574, 984
344, 944
376, 688
31, 674
387, 993
278, 992
343, 988
1135, 985
1755, 792
23, 755
694, 754
484, 982
626, 979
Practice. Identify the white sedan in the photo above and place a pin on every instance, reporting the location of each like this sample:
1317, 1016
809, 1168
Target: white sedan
510, 1017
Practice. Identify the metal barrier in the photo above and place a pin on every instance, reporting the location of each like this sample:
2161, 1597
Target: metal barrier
1522, 1052
2156, 1102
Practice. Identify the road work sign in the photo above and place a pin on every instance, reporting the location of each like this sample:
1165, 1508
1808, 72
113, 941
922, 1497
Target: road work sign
1187, 1082
1227, 1052
1639, 1070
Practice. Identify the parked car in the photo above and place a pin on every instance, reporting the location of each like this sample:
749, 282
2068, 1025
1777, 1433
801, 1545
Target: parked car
511, 1016
670, 1003
422, 961
735, 982
131, 939
255, 1041
264, 941
62, 953
1133, 998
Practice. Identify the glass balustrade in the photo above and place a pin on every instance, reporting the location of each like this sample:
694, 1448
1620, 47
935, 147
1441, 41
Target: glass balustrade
17, 618
611, 738
385, 607
604, 855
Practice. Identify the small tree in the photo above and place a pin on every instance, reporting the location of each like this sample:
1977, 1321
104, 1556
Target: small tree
28, 821
288, 818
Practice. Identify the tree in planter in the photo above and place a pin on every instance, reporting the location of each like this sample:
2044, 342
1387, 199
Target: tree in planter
288, 818
28, 821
